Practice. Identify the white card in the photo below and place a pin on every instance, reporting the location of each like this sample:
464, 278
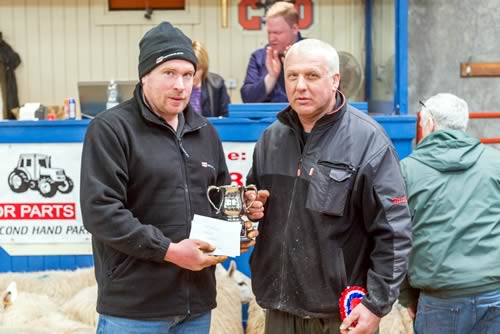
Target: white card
224, 235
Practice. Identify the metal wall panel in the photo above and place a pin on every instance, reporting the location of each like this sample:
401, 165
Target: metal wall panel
62, 42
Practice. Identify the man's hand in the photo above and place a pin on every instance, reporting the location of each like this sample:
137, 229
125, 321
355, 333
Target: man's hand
273, 63
273, 66
191, 254
367, 321
256, 210
412, 311
251, 234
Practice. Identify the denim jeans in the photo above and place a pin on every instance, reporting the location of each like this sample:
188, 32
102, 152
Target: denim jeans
191, 324
478, 314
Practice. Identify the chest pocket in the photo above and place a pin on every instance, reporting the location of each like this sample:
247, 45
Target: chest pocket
329, 187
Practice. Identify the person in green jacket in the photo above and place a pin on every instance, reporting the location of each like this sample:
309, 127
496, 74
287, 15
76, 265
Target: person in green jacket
453, 185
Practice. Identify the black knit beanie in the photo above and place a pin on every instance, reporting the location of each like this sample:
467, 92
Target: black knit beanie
161, 43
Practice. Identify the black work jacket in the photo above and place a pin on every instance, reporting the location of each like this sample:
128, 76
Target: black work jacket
141, 184
336, 216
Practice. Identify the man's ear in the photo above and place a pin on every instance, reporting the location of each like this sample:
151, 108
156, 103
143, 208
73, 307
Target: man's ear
432, 124
336, 81
144, 78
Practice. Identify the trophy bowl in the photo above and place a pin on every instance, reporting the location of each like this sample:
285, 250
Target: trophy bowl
232, 205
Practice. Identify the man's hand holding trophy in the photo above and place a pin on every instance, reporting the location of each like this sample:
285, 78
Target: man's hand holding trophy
241, 205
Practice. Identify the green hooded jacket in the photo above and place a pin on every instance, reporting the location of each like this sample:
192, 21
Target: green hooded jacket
453, 185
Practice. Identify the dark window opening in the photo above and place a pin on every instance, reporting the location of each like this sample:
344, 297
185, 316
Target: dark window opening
146, 4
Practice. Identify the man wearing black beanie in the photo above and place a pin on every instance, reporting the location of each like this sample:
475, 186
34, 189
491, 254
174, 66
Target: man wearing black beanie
146, 166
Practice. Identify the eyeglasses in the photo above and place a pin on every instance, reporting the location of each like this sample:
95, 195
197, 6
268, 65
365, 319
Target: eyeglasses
426, 108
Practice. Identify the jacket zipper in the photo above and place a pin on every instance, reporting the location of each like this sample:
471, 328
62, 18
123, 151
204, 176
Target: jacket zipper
283, 265
187, 197
337, 165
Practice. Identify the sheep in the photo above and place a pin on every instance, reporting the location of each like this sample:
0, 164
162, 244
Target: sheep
9, 295
256, 318
66, 302
226, 317
57, 284
35, 313
57, 322
82, 306
407, 321
395, 322
232, 287
244, 283
26, 308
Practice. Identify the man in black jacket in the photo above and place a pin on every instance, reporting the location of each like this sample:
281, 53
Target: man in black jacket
146, 167
337, 224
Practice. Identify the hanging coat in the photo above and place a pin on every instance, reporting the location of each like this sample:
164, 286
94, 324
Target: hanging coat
9, 61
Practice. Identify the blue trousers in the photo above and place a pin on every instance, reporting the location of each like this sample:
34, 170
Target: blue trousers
478, 314
192, 324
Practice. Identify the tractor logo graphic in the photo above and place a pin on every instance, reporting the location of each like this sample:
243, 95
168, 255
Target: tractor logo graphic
34, 171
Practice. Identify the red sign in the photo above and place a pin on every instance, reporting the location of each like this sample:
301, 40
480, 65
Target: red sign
236, 156
304, 8
39, 211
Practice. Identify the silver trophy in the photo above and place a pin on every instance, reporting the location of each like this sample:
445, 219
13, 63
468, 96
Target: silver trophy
232, 204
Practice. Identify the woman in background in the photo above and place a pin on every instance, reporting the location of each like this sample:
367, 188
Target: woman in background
209, 96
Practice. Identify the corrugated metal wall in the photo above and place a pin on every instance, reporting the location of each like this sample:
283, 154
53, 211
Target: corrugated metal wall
62, 42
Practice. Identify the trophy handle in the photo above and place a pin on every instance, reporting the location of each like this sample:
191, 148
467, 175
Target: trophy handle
212, 203
250, 187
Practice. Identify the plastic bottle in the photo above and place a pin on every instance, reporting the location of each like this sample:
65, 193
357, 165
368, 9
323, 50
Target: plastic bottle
72, 108
66, 108
112, 95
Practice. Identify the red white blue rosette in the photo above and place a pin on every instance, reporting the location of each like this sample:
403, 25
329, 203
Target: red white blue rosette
349, 299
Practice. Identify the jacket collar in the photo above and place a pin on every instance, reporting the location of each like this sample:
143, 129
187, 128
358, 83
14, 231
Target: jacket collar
289, 117
193, 120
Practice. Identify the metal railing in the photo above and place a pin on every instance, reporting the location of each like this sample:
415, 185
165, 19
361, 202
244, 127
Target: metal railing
472, 115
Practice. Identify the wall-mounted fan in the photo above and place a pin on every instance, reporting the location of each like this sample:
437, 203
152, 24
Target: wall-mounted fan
351, 74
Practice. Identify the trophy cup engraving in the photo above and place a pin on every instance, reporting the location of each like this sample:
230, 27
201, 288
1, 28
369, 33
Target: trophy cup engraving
232, 204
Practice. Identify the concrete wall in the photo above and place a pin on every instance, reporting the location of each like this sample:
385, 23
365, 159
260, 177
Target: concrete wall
443, 34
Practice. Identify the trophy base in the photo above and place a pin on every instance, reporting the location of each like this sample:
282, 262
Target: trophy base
243, 233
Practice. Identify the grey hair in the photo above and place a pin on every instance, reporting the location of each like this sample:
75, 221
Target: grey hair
447, 110
311, 46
